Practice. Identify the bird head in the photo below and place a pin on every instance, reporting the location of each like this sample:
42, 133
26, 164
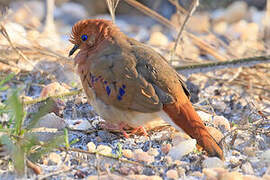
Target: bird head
87, 34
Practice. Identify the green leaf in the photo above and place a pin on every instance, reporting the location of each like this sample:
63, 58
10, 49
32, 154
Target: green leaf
8, 78
17, 153
18, 158
16, 107
66, 138
47, 147
44, 109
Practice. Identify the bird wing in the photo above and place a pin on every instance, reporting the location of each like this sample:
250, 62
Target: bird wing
116, 81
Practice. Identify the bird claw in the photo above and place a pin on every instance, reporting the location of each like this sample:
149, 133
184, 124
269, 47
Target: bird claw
121, 127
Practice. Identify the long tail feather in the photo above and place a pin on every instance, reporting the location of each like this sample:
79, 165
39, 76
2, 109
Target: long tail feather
184, 115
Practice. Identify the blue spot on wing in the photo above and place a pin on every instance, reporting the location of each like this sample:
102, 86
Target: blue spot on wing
119, 97
123, 86
108, 90
121, 91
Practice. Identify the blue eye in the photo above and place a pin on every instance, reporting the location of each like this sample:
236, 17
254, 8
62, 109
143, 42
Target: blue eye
84, 37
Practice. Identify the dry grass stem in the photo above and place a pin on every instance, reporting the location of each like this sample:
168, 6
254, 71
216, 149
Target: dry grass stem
5, 34
193, 6
198, 42
112, 5
178, 6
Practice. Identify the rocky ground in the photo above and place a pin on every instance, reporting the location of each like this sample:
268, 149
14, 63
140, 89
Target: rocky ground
233, 102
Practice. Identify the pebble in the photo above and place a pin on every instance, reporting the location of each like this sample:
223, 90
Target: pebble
54, 159
199, 23
104, 150
158, 39
80, 125
91, 147
142, 156
212, 162
266, 156
53, 89
213, 173
231, 176
128, 153
220, 27
215, 133
206, 117
250, 177
197, 174
247, 168
165, 148
234, 12
51, 121
183, 148
16, 33
172, 174
222, 123
153, 152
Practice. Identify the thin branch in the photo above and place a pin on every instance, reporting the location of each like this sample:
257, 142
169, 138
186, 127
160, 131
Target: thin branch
235, 63
5, 34
198, 42
193, 6
178, 7
112, 5
37, 100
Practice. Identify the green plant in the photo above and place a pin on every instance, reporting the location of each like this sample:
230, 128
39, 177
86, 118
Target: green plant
19, 140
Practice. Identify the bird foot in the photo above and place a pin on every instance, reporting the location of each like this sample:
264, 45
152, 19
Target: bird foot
121, 127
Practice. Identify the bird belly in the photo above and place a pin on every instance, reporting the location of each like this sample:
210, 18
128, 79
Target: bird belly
133, 119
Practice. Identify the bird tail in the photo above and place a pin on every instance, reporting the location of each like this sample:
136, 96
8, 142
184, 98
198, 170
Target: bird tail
184, 115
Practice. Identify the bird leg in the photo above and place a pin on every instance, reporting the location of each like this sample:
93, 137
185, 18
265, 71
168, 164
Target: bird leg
121, 127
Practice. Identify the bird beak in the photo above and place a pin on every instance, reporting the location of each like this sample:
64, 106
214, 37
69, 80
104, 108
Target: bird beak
75, 47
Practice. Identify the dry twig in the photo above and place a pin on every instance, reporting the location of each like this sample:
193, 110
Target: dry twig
193, 6
198, 42
112, 5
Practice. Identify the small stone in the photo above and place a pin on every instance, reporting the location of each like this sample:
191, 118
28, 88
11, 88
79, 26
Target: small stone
53, 89
231, 176
212, 162
143, 177
251, 32
250, 177
235, 12
183, 148
81, 125
222, 123
143, 157
213, 173
181, 171
206, 117
199, 23
158, 39
153, 152
235, 161
165, 148
266, 156
78, 100
168, 160
247, 168
105, 150
197, 174
128, 153
172, 174
220, 27
91, 147
51, 121
54, 159
236, 153
215, 133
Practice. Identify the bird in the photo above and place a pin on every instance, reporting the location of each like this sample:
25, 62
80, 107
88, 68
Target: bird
131, 85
